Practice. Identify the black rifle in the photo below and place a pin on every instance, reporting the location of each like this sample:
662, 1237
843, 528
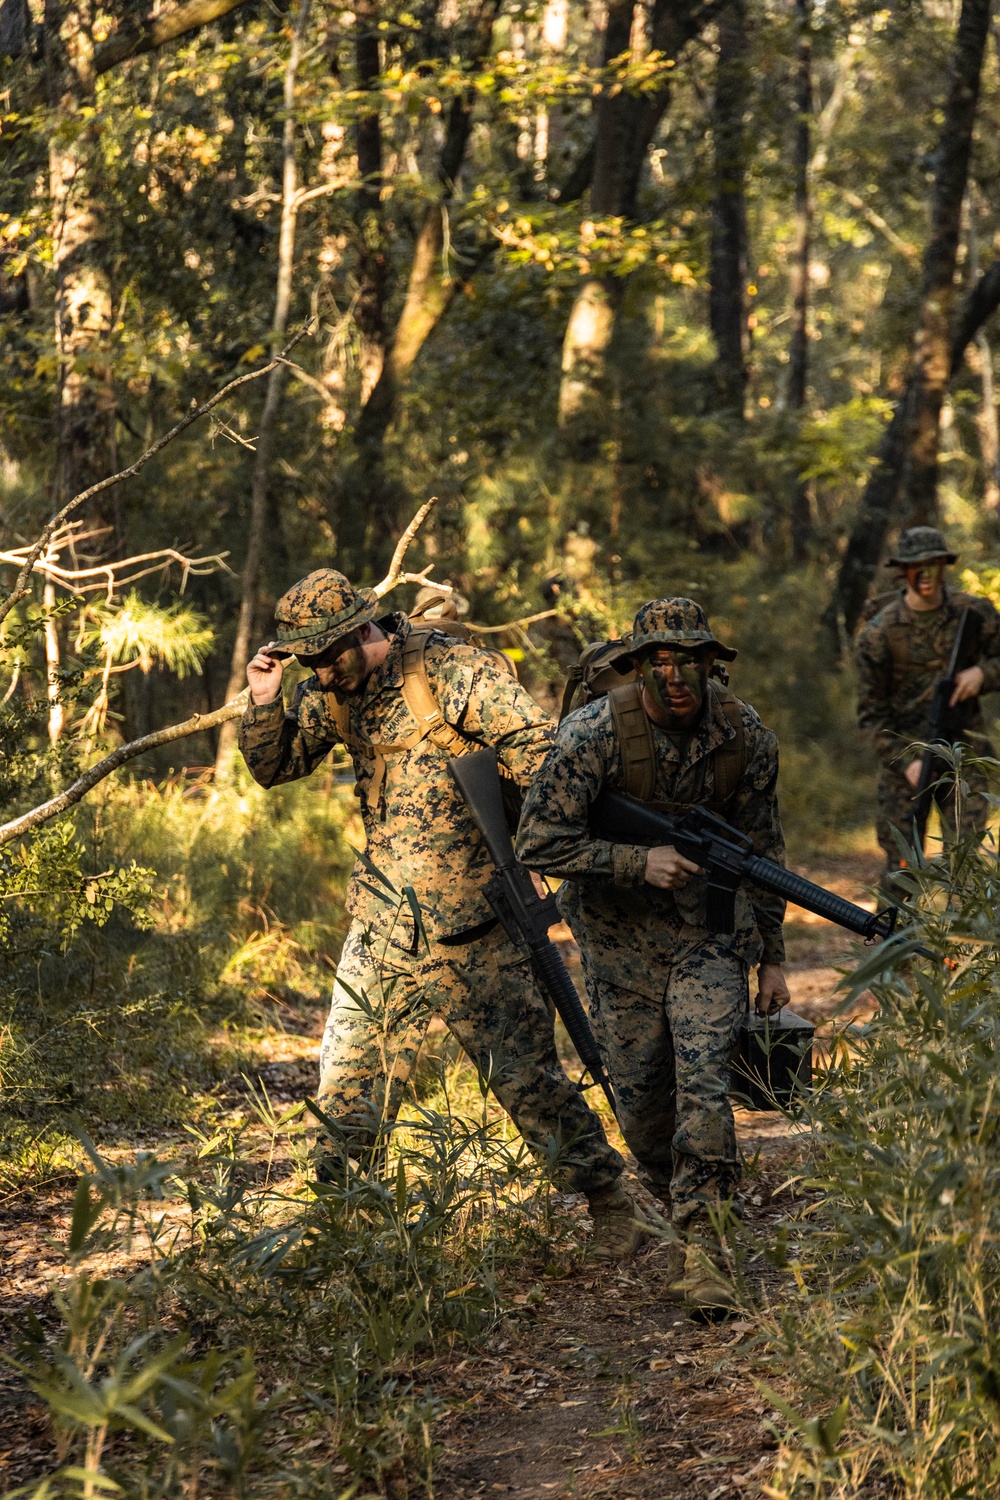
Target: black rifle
727, 857
945, 724
525, 915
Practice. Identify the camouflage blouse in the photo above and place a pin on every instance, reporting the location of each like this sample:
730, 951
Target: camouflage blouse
418, 831
624, 923
900, 655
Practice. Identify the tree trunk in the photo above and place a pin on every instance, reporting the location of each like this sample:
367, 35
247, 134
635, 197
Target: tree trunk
272, 401
729, 247
933, 348
798, 354
52, 665
626, 124
867, 539
908, 452
85, 413
373, 257
982, 364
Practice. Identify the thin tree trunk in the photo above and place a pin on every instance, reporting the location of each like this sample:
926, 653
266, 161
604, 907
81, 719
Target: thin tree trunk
798, 361
729, 247
908, 452
982, 364
52, 665
373, 257
933, 349
626, 124
272, 400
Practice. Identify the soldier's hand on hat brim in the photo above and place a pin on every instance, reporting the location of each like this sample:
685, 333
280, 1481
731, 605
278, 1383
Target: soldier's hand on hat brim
264, 673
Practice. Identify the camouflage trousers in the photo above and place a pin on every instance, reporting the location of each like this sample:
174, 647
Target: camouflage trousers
384, 996
669, 1061
895, 808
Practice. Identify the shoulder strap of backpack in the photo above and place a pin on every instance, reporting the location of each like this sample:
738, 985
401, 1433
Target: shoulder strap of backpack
635, 741
731, 756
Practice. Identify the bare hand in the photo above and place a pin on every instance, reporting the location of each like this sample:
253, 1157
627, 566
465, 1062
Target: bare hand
538, 881
264, 676
912, 773
968, 684
772, 991
668, 869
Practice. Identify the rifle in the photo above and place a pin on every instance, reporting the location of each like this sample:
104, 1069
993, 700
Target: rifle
945, 724
524, 915
727, 857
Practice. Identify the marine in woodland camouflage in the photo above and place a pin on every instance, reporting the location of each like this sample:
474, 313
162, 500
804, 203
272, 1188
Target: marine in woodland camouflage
422, 840
666, 995
901, 653
607, 897
388, 984
418, 829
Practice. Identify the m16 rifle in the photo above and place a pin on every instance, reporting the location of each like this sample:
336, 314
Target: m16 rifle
727, 857
946, 724
525, 915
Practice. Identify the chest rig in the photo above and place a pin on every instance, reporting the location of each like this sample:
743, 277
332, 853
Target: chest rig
428, 722
638, 751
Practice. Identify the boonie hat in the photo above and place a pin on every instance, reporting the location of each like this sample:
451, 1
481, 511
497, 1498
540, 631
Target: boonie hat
674, 622
319, 610
919, 545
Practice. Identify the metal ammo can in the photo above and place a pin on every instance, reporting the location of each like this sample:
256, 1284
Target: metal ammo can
772, 1060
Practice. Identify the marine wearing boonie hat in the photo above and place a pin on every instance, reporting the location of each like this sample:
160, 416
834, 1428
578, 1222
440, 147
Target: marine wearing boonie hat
921, 544
674, 622
318, 611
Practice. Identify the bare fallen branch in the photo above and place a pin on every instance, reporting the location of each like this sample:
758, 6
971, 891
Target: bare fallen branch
20, 589
234, 709
395, 574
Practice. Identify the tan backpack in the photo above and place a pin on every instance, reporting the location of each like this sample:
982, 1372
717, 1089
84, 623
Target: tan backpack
638, 752
418, 695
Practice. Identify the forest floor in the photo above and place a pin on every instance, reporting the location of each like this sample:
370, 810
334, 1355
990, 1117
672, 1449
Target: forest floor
596, 1383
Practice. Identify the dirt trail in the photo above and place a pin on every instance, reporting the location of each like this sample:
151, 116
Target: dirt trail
597, 1384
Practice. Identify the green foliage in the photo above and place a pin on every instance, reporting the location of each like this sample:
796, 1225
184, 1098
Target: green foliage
890, 1329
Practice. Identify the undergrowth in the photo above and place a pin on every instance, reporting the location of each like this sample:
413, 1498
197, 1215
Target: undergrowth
891, 1326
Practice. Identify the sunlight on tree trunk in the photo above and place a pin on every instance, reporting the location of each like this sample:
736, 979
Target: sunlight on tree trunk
933, 349
980, 358
272, 400
52, 664
583, 395
798, 353
729, 245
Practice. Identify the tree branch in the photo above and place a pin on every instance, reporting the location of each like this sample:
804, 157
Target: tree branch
85, 783
20, 589
134, 37
980, 304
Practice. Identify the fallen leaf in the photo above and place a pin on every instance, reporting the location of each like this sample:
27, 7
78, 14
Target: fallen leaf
663, 1364
572, 1403
683, 1359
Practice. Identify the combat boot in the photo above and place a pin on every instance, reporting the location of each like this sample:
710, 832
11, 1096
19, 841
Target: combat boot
618, 1231
707, 1290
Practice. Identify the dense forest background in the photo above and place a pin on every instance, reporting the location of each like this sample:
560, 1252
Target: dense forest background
636, 290
686, 296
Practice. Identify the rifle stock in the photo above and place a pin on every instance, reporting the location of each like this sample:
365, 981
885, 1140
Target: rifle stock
524, 915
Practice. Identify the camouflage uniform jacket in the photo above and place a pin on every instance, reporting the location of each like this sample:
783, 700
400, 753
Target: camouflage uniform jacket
625, 924
418, 830
894, 697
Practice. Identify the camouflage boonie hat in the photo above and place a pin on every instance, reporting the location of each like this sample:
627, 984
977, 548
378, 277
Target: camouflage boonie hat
919, 545
319, 610
674, 622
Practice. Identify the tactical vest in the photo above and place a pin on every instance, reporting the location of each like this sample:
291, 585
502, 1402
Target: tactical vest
638, 751
898, 632
418, 695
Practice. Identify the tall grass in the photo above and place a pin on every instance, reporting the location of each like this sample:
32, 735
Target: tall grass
134, 1026
891, 1332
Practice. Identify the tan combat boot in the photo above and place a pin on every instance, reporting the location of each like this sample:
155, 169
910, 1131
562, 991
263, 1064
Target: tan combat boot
618, 1231
708, 1291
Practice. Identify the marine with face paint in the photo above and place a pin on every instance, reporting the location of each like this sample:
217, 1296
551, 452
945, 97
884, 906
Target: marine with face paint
902, 652
666, 994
